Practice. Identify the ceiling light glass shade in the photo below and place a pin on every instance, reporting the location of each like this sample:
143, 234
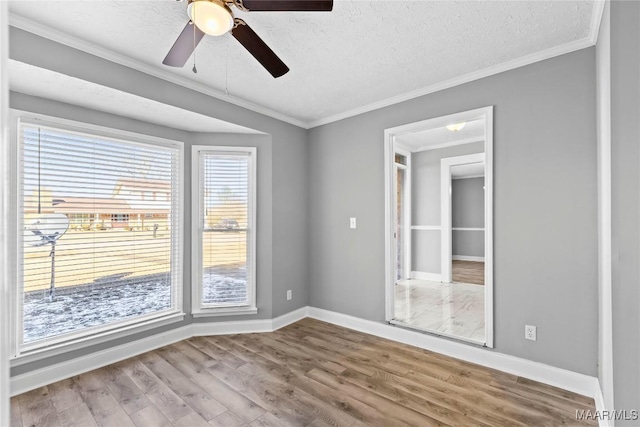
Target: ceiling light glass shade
210, 16
456, 126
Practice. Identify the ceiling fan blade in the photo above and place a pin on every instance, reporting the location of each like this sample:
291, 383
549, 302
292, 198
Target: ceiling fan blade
259, 49
184, 46
288, 5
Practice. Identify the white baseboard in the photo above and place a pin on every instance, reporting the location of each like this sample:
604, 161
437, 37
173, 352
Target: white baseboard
289, 318
568, 380
572, 381
60, 371
467, 258
421, 275
601, 408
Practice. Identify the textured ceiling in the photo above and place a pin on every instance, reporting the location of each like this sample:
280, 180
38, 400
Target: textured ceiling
473, 131
48, 84
362, 53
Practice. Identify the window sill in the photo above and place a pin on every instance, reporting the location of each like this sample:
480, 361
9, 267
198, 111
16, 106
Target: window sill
84, 342
224, 311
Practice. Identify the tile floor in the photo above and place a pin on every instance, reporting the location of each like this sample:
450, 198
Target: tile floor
449, 308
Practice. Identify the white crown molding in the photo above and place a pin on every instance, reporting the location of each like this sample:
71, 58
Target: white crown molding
457, 81
596, 20
76, 43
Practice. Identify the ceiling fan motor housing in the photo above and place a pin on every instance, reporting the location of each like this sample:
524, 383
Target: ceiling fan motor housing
212, 17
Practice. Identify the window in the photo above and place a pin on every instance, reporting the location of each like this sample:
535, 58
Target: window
224, 230
88, 263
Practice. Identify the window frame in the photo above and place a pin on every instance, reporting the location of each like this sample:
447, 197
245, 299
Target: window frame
197, 308
26, 353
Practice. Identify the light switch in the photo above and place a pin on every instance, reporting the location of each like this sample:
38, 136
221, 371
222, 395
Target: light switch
352, 222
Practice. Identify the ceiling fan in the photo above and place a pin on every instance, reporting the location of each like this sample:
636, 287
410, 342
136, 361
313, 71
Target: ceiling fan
214, 17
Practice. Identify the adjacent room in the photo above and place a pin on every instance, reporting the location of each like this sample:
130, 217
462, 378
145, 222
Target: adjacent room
319, 213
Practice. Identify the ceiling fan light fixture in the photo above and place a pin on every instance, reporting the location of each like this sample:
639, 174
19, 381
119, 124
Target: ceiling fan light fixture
456, 126
212, 17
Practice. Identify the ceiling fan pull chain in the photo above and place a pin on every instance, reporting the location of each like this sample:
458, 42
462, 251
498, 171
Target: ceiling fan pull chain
226, 73
194, 69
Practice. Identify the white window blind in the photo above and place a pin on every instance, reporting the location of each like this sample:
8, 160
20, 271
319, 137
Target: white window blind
96, 251
226, 228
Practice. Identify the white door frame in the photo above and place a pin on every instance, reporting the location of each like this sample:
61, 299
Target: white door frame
486, 114
406, 232
5, 300
445, 209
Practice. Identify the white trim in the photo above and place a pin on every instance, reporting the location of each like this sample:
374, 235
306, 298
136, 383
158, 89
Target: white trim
389, 271
84, 342
596, 20
457, 81
572, 381
289, 318
446, 237
426, 227
467, 177
59, 371
96, 130
467, 258
406, 196
449, 144
249, 326
231, 327
197, 308
5, 207
76, 43
225, 311
601, 407
467, 229
390, 134
423, 275
436, 333
85, 337
567, 380
605, 315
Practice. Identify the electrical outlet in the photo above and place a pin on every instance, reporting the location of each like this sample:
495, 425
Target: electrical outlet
288, 294
530, 332
352, 222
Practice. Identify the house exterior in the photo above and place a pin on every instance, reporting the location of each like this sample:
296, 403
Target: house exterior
136, 204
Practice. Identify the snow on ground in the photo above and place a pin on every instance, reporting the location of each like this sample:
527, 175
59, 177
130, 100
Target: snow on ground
116, 299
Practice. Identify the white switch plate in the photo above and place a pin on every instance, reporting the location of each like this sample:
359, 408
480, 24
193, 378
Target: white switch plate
530, 332
352, 222
288, 294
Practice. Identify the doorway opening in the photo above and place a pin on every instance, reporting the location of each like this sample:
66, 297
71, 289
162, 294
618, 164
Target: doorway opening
438, 190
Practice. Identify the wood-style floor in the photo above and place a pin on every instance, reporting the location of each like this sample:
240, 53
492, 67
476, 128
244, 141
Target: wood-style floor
306, 374
468, 272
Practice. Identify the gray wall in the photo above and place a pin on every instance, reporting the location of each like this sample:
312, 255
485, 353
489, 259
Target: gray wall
625, 139
282, 171
290, 179
264, 239
425, 203
467, 211
544, 205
